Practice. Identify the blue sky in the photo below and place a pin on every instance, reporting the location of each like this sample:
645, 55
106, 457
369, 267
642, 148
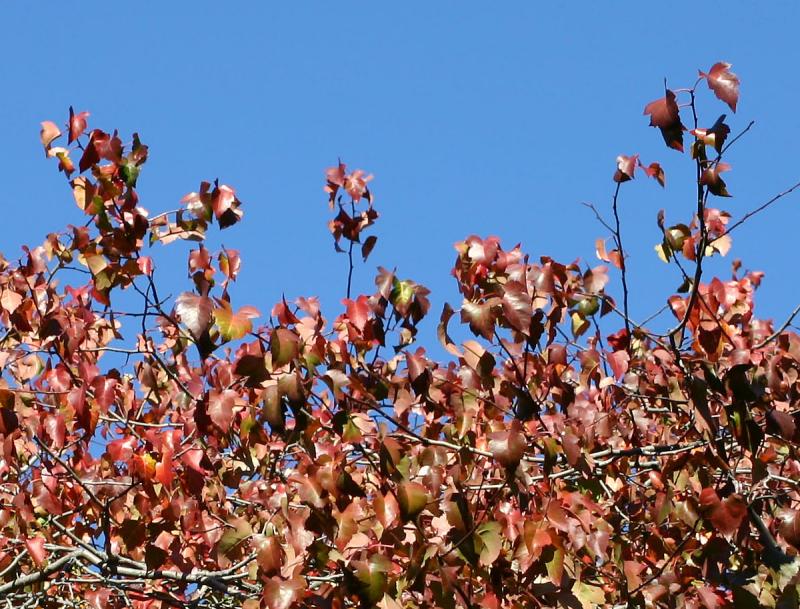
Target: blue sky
475, 117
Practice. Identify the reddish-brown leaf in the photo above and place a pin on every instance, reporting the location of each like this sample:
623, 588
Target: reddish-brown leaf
508, 446
655, 171
665, 115
367, 247
789, 527
712, 179
77, 124
35, 547
723, 82
480, 316
726, 515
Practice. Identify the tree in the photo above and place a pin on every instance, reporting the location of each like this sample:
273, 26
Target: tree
165, 452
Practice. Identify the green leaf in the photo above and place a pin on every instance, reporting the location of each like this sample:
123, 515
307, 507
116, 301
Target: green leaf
491, 536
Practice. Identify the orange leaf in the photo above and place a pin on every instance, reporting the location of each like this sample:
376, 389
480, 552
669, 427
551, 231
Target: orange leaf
233, 326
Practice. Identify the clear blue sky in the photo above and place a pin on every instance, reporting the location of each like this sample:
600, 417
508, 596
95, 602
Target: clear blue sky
475, 117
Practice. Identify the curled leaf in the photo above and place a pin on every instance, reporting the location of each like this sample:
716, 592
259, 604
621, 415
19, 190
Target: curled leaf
665, 115
655, 171
626, 166
712, 179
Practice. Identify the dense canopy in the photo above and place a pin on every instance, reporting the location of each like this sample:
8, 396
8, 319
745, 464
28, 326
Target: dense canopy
188, 451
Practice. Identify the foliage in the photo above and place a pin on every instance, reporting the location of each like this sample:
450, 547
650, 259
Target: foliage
196, 453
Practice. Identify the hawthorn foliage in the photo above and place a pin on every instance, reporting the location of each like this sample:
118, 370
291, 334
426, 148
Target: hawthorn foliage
195, 452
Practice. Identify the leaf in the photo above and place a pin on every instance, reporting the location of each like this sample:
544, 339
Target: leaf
77, 125
665, 115
632, 569
233, 326
655, 171
714, 136
195, 312
220, 408
35, 547
234, 536
508, 447
48, 133
491, 536
712, 179
387, 510
358, 311
481, 317
282, 594
589, 596
726, 515
412, 498
517, 307
441, 330
269, 554
723, 82
225, 205
372, 576
230, 263
626, 166
781, 423
284, 346
367, 247
618, 360
789, 527
98, 599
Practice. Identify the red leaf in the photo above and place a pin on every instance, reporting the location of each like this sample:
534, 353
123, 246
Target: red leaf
145, 264
724, 83
192, 457
335, 180
386, 510
665, 115
98, 599
726, 515
269, 554
225, 206
77, 124
517, 307
508, 446
358, 312
35, 546
481, 317
618, 360
220, 408
654, 170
